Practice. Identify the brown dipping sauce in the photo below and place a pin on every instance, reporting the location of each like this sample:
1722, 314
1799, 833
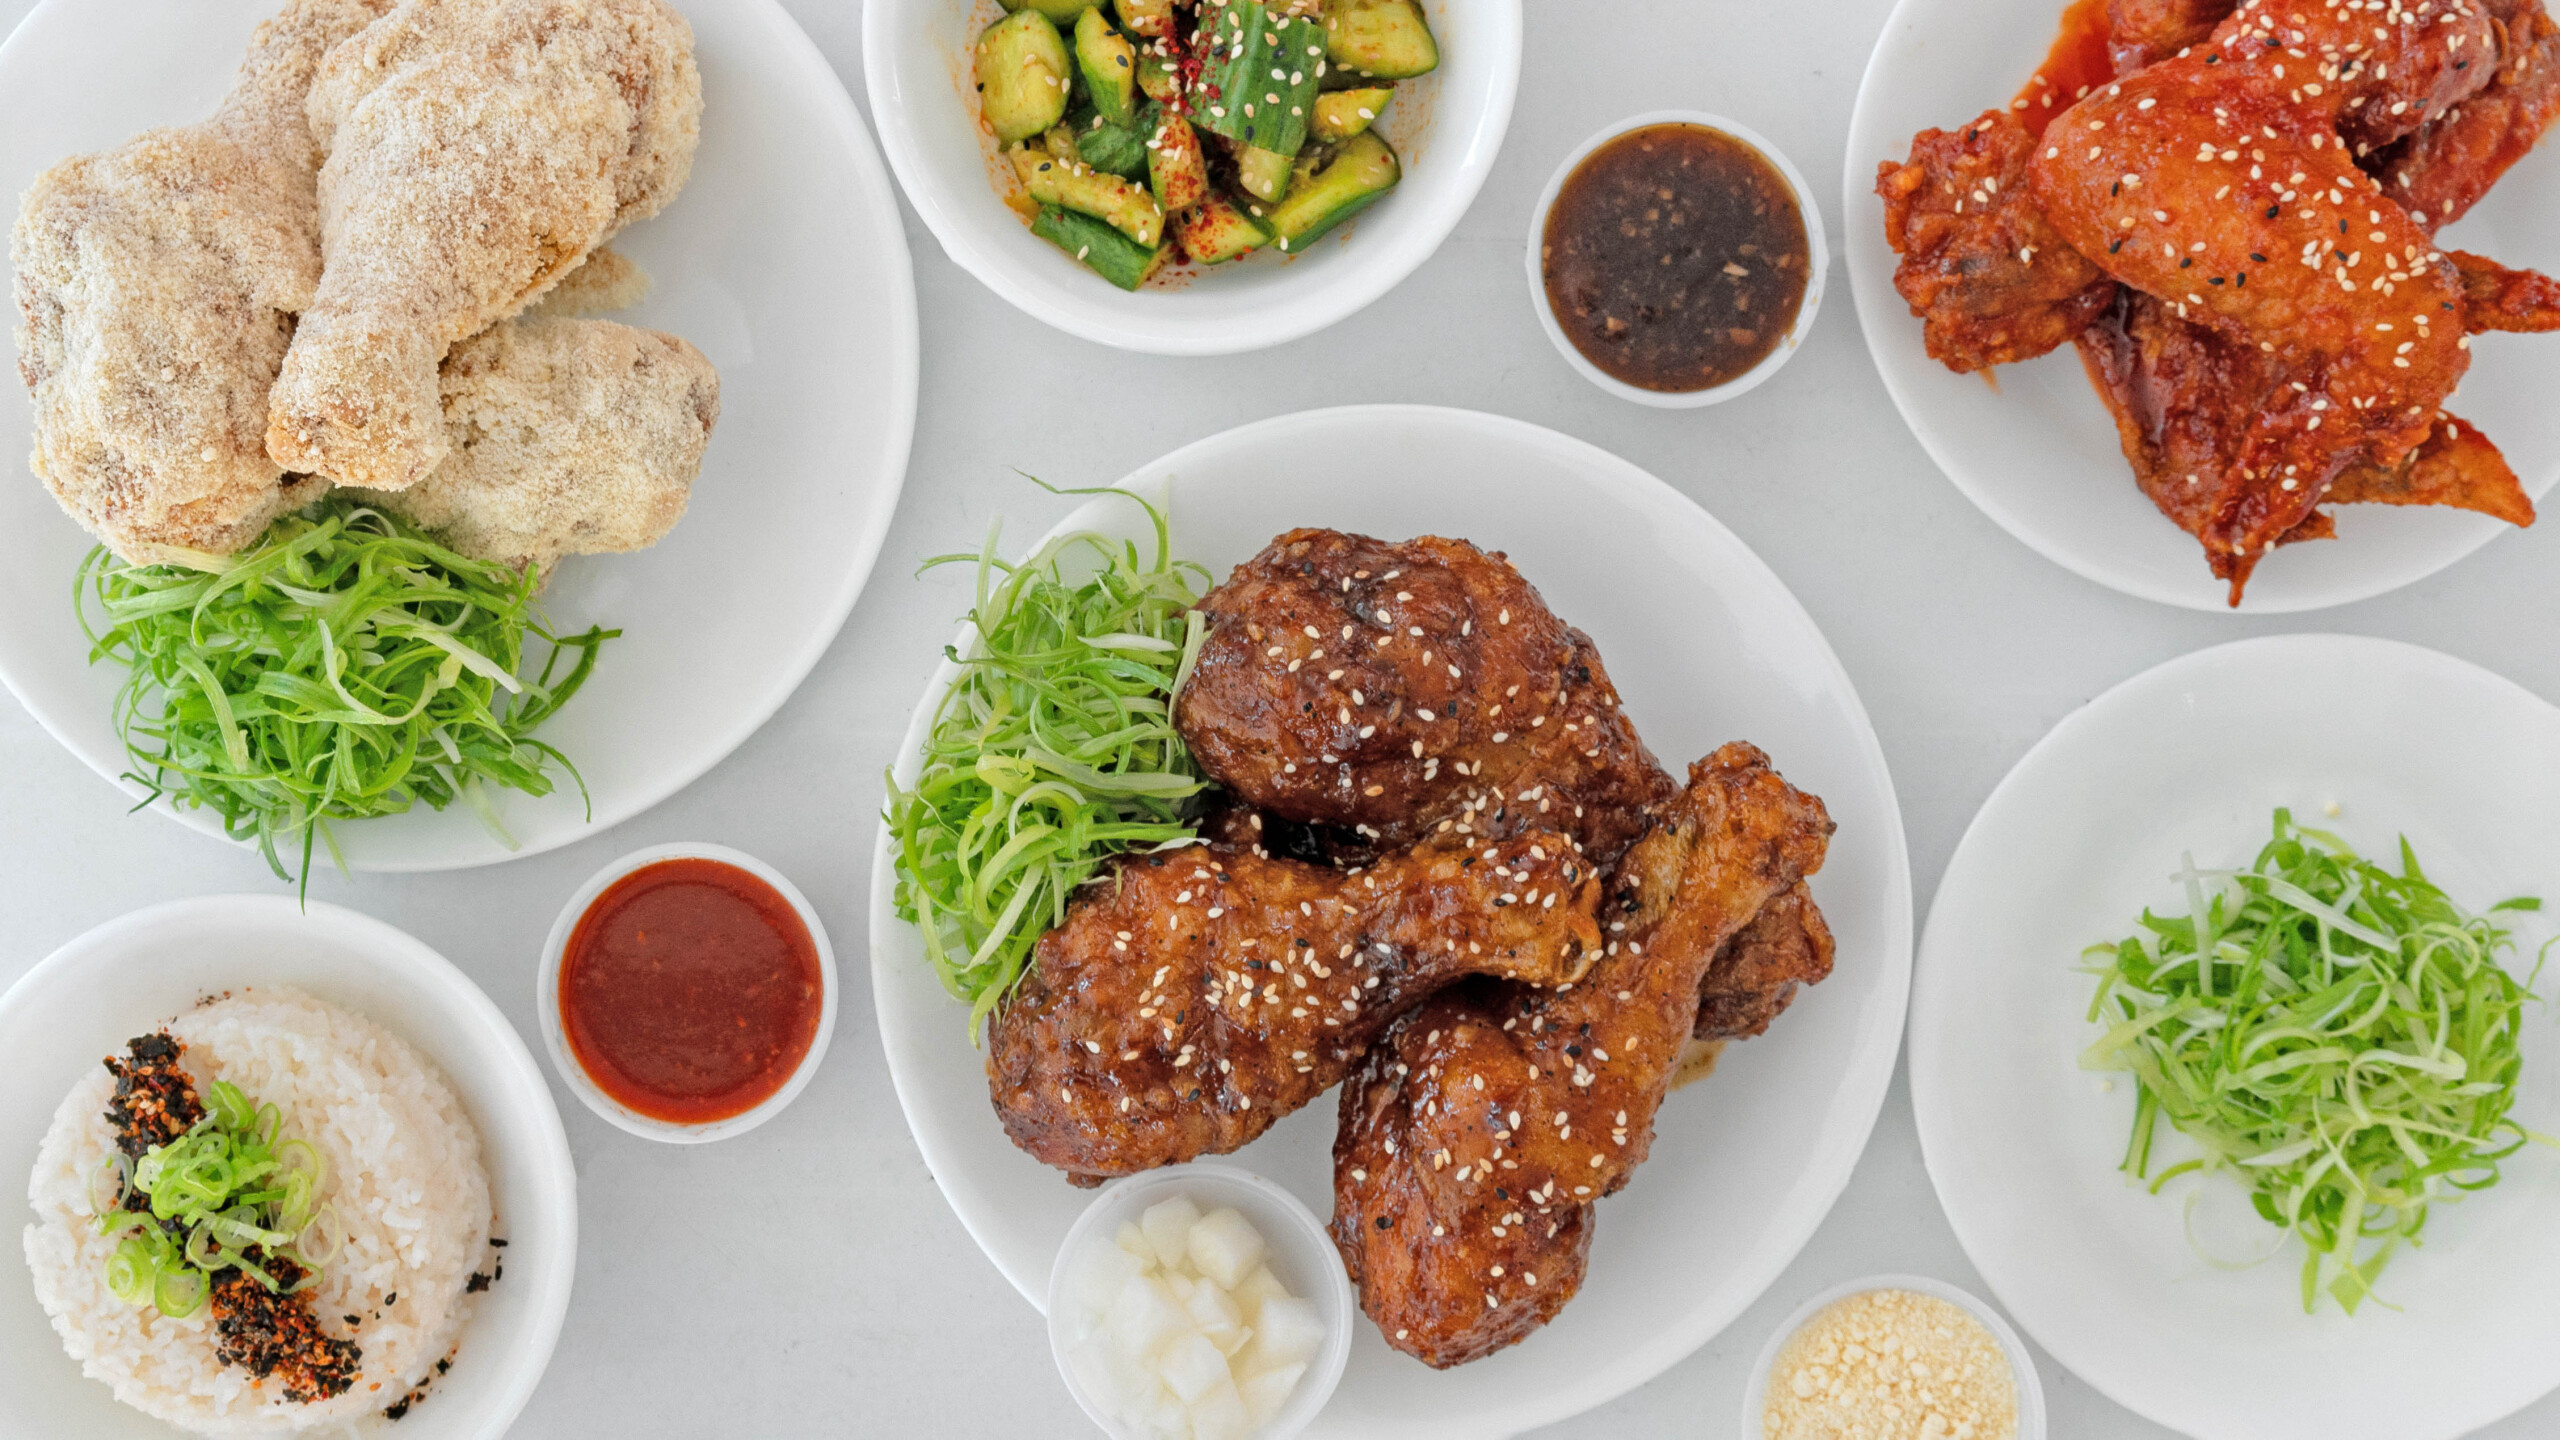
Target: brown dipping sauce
690, 991
1675, 258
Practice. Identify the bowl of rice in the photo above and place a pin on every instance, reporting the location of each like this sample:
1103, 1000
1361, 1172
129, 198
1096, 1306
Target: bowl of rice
445, 1189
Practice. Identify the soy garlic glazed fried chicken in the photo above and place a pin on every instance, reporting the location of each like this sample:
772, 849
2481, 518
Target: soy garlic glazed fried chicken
1479, 1132
2286, 331
1195, 996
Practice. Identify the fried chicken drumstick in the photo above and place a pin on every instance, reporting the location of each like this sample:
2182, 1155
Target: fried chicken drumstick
478, 150
1195, 996
1479, 1131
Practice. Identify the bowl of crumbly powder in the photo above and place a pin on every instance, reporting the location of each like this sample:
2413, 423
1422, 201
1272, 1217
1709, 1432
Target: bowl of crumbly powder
1894, 1357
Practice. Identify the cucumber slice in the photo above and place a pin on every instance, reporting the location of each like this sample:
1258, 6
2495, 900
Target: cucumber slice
1124, 206
1060, 12
1158, 77
1118, 149
1022, 75
1109, 64
1342, 114
1176, 170
1151, 18
1365, 169
1216, 231
1261, 73
1108, 253
1263, 173
1385, 38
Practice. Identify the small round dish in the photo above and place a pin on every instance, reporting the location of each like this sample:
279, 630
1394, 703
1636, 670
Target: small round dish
134, 972
1818, 263
917, 64
1301, 1256
555, 1037
2022, 1366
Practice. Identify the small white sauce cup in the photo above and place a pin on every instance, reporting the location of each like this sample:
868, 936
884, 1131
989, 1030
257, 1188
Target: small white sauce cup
2022, 1366
1818, 260
555, 1037
1301, 1256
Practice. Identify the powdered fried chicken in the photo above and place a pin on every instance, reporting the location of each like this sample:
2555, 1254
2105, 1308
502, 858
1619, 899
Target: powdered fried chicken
1479, 1131
156, 289
1990, 279
569, 437
1392, 687
477, 151
607, 281
1195, 996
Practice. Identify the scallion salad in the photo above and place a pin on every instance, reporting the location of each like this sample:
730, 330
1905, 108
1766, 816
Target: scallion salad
344, 667
232, 1184
2341, 1040
1053, 750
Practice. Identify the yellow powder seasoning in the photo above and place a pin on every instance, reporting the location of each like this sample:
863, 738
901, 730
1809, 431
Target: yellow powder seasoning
1891, 1365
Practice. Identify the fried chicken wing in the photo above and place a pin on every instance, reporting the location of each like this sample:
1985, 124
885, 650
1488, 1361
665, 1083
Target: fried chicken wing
1991, 280
157, 286
1394, 689
477, 151
2222, 183
2443, 169
1195, 996
1478, 1132
2497, 298
569, 437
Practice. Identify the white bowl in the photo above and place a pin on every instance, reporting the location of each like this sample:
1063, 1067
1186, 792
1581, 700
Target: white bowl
556, 1040
2022, 1366
1818, 256
134, 972
1446, 127
1302, 1257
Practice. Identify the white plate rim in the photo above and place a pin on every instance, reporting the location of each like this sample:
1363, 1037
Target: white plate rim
1886, 321
802, 54
1869, 1079
1932, 1116
387, 943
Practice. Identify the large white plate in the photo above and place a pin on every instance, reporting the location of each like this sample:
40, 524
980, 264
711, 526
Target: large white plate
2023, 1144
1707, 646
783, 260
134, 972
2040, 456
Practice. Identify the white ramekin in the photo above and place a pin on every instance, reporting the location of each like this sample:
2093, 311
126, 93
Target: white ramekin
2022, 1367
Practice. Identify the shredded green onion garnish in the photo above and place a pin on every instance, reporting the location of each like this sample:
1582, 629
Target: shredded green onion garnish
2341, 1040
1053, 750
230, 1184
343, 667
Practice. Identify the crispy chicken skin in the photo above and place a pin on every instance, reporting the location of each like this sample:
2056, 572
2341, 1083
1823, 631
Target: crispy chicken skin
1195, 996
2441, 171
156, 288
477, 150
569, 437
1786, 947
2145, 32
1479, 1130
1394, 688
1989, 278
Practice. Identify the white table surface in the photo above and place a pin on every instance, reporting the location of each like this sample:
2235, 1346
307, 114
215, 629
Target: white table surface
807, 1279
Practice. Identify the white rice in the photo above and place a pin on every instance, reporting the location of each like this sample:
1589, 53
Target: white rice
404, 1172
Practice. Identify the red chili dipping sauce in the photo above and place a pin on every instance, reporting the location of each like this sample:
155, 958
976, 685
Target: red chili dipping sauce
690, 991
1675, 258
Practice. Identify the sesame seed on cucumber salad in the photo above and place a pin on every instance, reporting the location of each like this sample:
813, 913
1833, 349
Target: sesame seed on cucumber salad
1148, 131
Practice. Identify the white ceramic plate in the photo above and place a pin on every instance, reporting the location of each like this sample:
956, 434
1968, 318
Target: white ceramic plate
132, 973
783, 260
2040, 455
918, 61
1706, 645
2023, 1144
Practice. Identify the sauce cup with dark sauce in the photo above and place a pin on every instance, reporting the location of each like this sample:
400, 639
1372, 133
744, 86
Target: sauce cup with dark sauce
1676, 259
687, 993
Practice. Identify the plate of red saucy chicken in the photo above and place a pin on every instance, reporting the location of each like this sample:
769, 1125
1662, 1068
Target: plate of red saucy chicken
2283, 265
1564, 973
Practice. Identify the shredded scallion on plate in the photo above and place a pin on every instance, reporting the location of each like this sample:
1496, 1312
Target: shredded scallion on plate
2342, 1041
343, 667
1052, 751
